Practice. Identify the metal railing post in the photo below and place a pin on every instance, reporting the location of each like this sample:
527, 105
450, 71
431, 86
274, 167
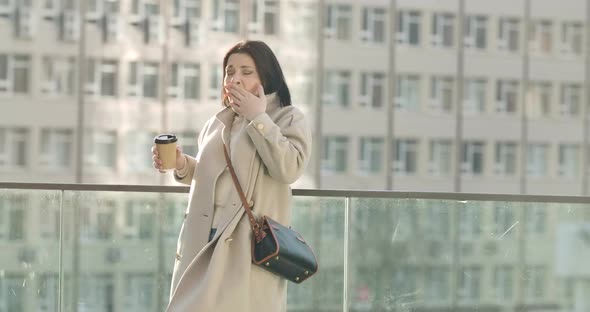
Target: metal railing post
346, 253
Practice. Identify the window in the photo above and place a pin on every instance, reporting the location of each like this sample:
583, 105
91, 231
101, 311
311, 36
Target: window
569, 160
404, 285
506, 96
571, 38
226, 15
470, 221
48, 292
541, 37
303, 82
102, 77
305, 15
476, 35
140, 289
101, 149
337, 90
504, 221
539, 99
470, 284
96, 292
537, 162
406, 156
139, 141
58, 76
24, 20
215, 81
265, 17
534, 286
174, 216
438, 222
188, 141
13, 147
335, 155
505, 163
508, 34
338, 22
372, 90
49, 228
6, 7
139, 220
440, 157
371, 155
186, 17
105, 13
143, 79
111, 26
474, 98
15, 73
408, 93
56, 148
443, 30
503, 282
406, 220
408, 28
13, 218
97, 222
473, 158
185, 81
536, 218
570, 101
12, 292
436, 285
441, 94
373, 25
146, 13
69, 28
187, 9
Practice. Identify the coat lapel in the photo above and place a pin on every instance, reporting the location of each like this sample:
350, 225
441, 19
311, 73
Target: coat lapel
242, 158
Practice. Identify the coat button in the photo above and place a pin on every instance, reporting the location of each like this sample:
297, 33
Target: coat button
229, 239
178, 256
185, 214
251, 203
260, 126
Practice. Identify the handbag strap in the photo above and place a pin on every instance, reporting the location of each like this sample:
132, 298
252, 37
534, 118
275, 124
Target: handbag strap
258, 233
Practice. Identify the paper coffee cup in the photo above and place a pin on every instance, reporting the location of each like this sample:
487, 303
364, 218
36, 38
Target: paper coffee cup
166, 146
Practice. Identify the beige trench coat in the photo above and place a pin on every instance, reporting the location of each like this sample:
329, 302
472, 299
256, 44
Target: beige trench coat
269, 155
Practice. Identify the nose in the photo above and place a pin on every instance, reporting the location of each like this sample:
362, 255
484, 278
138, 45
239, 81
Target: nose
235, 80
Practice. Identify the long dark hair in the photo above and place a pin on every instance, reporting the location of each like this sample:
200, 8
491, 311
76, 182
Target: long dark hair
267, 66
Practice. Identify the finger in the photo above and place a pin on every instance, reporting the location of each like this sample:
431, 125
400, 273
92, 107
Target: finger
156, 160
239, 89
236, 95
236, 107
154, 150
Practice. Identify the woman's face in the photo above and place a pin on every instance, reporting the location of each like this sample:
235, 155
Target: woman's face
241, 71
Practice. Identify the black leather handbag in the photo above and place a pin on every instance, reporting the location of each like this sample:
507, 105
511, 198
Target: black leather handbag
275, 247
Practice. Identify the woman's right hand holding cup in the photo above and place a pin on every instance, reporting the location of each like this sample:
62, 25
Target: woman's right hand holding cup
158, 163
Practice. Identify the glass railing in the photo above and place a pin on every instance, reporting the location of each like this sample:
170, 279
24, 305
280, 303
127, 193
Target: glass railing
112, 248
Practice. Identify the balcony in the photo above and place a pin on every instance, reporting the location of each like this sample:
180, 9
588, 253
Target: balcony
112, 248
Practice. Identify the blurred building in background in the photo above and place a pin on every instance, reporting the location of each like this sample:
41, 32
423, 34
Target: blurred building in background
448, 95
402, 104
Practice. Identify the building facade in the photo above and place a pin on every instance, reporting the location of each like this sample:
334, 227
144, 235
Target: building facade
397, 103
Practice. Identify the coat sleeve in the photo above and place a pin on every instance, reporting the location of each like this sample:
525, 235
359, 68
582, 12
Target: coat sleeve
185, 175
284, 146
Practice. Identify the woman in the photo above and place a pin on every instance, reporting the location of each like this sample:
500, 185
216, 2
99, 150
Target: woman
270, 144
